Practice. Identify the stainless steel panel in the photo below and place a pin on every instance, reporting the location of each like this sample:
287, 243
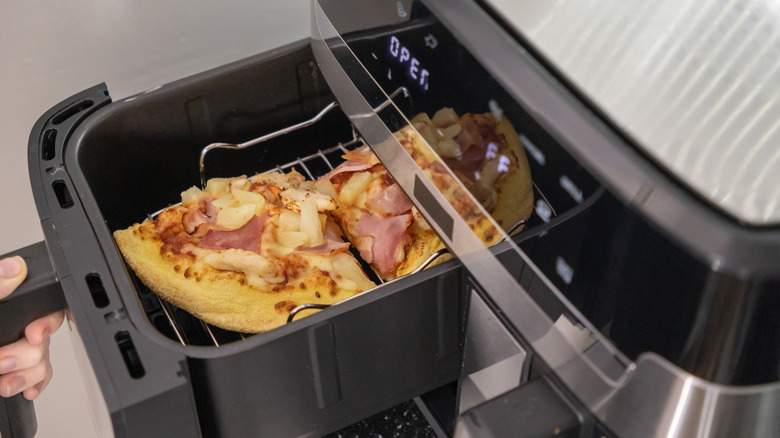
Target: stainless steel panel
695, 83
494, 362
659, 400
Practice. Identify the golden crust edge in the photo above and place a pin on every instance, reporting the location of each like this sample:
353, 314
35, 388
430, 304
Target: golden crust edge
424, 244
515, 196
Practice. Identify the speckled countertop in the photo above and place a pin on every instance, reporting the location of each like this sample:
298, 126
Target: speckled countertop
402, 421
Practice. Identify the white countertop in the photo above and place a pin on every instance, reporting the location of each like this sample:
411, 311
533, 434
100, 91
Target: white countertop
52, 50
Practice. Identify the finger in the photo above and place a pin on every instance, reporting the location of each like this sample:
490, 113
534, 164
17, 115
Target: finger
33, 393
25, 380
40, 329
19, 381
13, 270
21, 354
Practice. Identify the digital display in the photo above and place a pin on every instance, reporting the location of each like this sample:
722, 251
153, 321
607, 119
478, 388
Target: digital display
401, 54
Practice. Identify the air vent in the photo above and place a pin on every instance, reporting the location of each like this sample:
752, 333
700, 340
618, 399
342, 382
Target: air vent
71, 111
47, 144
62, 193
96, 289
130, 355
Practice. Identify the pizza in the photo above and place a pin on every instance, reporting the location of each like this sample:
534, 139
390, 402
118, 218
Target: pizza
484, 152
244, 252
377, 217
384, 225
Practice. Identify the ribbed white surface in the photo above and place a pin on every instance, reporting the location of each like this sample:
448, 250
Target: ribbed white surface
695, 82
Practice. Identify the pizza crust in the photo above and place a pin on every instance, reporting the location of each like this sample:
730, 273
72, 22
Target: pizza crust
424, 244
515, 193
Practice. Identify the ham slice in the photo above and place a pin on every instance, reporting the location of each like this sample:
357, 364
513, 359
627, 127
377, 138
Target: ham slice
469, 162
348, 166
208, 208
390, 201
247, 237
357, 161
204, 213
327, 248
388, 232
175, 241
477, 132
362, 155
364, 245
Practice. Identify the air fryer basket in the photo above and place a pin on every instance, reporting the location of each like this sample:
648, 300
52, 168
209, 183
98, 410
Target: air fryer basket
100, 165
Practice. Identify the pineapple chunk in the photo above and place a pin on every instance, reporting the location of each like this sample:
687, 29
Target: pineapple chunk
275, 249
291, 239
290, 221
235, 217
224, 201
362, 199
357, 184
447, 147
246, 197
429, 136
445, 117
451, 131
421, 120
325, 187
217, 186
310, 223
348, 273
193, 194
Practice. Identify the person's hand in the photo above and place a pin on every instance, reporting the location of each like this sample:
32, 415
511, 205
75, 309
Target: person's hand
25, 365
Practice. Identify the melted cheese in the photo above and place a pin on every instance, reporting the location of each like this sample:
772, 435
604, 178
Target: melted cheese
238, 260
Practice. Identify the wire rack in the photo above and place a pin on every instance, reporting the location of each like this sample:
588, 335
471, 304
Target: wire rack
184, 327
189, 330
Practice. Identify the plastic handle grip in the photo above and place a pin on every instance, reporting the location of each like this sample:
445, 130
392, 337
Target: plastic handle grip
39, 295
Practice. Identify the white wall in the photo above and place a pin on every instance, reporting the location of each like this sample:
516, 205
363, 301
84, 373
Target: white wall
51, 50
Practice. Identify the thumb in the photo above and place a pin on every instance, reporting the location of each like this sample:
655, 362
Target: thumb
39, 330
13, 271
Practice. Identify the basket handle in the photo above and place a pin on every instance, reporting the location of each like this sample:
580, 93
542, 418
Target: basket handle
39, 295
